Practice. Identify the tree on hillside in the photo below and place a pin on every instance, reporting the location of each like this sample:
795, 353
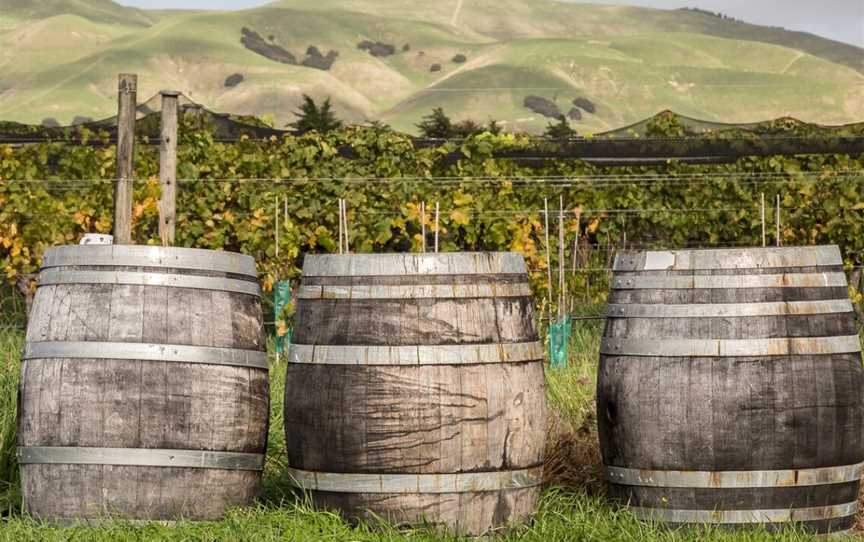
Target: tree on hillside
493, 127
436, 125
466, 128
311, 117
560, 129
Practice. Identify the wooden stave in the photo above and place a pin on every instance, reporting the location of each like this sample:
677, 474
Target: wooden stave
413, 321
498, 509
735, 499
414, 264
698, 454
157, 322
823, 326
129, 256
726, 258
478, 508
314, 448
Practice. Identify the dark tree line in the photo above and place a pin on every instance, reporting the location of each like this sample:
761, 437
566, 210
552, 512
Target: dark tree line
435, 125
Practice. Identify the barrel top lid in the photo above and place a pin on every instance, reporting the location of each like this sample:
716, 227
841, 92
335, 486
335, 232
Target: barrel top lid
149, 256
731, 258
455, 263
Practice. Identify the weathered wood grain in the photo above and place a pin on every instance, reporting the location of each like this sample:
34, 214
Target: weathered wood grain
668, 412
109, 403
437, 418
477, 512
414, 321
168, 167
127, 102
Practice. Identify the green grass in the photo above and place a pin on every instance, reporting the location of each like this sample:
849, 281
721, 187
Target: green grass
561, 517
572, 508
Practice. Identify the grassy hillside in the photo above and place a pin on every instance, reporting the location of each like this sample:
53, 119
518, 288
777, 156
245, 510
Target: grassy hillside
100, 11
59, 59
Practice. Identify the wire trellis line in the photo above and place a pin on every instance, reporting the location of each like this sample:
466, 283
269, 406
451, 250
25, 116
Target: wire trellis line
701, 177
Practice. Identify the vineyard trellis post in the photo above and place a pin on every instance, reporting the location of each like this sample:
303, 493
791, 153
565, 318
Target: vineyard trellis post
168, 168
779, 243
437, 223
762, 210
127, 103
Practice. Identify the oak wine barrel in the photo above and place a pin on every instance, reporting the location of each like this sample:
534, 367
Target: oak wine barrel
730, 388
144, 388
415, 389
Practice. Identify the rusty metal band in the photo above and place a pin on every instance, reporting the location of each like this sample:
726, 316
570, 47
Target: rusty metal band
139, 457
375, 265
747, 258
465, 482
734, 282
146, 352
729, 310
449, 291
734, 479
815, 513
150, 256
455, 354
61, 276
730, 347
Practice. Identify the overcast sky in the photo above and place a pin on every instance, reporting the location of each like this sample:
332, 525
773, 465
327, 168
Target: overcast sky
842, 20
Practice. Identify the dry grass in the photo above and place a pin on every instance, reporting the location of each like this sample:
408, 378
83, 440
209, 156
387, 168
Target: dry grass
573, 456
572, 451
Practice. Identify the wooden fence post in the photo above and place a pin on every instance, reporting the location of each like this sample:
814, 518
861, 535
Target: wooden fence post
168, 168
127, 102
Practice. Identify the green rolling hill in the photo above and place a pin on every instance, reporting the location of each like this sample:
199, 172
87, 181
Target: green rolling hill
59, 59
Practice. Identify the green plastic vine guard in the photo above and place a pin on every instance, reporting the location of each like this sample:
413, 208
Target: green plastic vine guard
559, 341
281, 298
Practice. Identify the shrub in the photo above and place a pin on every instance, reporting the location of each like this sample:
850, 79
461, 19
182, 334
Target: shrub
435, 68
459, 59
255, 43
585, 104
377, 48
233, 80
314, 58
543, 106
574, 114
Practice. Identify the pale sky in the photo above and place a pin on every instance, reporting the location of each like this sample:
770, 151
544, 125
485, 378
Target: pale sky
841, 20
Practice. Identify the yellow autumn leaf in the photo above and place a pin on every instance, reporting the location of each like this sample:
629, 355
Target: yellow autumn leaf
413, 210
267, 283
103, 225
281, 328
593, 225
459, 218
462, 199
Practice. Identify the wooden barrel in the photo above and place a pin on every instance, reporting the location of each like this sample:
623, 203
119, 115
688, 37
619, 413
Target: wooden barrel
730, 388
144, 387
415, 389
